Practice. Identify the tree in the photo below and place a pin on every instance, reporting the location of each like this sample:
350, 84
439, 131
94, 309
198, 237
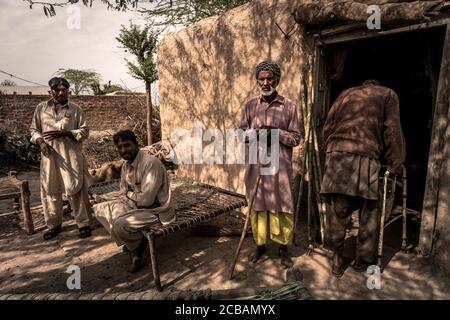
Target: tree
141, 43
97, 88
80, 80
186, 12
167, 12
8, 83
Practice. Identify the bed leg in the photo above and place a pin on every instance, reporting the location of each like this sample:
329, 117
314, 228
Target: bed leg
154, 262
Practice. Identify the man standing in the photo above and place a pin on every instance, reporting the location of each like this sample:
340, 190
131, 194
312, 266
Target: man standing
361, 123
58, 127
146, 200
273, 206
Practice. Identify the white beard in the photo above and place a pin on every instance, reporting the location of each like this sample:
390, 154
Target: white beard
268, 93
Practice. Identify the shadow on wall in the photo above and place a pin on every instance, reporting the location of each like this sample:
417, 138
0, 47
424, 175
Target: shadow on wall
207, 74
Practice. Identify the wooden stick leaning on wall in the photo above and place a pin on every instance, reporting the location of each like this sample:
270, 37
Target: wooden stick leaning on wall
309, 109
317, 181
303, 160
309, 157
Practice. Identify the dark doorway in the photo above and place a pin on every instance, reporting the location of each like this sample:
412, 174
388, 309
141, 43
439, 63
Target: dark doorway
408, 63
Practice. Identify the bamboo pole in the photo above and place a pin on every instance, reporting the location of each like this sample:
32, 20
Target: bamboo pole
309, 150
304, 158
317, 182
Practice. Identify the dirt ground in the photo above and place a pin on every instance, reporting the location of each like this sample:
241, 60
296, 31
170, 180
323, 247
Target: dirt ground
30, 265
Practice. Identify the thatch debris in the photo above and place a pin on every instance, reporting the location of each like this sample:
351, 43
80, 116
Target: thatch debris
15, 148
392, 11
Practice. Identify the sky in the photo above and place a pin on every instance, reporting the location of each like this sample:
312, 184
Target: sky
34, 47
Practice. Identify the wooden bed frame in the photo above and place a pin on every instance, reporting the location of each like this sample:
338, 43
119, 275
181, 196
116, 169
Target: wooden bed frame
219, 202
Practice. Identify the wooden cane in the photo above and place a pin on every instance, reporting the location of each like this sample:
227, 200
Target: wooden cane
383, 215
247, 219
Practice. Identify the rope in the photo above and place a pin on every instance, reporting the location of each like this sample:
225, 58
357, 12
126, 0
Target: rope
185, 192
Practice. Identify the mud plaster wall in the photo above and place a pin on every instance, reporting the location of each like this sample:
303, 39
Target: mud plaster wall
206, 74
102, 112
442, 249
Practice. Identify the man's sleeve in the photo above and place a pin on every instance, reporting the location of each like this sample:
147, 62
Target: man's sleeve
394, 141
295, 132
35, 127
82, 131
150, 185
245, 122
123, 184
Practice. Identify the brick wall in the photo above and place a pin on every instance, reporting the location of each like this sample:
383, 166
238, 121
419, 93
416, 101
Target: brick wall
102, 112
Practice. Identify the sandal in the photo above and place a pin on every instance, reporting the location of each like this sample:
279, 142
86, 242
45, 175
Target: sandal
49, 234
85, 232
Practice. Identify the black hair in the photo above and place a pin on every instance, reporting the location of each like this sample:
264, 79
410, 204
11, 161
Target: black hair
372, 82
56, 81
125, 135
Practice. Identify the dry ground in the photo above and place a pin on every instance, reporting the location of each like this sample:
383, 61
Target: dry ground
30, 265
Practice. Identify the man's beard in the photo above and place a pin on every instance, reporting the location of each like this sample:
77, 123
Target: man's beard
267, 93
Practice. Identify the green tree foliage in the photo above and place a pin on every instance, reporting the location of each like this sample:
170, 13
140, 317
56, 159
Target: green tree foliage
80, 80
106, 88
183, 13
163, 12
141, 43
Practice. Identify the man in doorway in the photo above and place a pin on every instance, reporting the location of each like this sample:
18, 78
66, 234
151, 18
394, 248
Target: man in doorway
146, 198
362, 122
273, 207
59, 127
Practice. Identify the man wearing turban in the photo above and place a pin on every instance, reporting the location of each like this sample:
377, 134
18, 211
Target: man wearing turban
272, 115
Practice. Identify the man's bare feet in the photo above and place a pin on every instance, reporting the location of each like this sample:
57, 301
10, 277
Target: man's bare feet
136, 256
286, 260
257, 254
340, 264
136, 263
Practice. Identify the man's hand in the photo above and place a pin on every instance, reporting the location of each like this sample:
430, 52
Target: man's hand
265, 131
55, 134
45, 148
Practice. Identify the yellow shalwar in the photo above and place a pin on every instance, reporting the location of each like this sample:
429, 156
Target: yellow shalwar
278, 225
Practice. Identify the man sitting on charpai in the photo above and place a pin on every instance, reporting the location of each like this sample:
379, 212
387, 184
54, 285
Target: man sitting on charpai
146, 198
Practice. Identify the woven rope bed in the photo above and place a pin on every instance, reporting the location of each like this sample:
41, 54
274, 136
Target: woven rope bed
194, 203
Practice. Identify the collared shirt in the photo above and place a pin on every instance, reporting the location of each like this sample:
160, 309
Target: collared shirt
63, 170
48, 117
275, 191
365, 120
146, 184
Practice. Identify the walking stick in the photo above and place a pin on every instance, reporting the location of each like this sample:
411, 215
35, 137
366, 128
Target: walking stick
247, 219
299, 199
